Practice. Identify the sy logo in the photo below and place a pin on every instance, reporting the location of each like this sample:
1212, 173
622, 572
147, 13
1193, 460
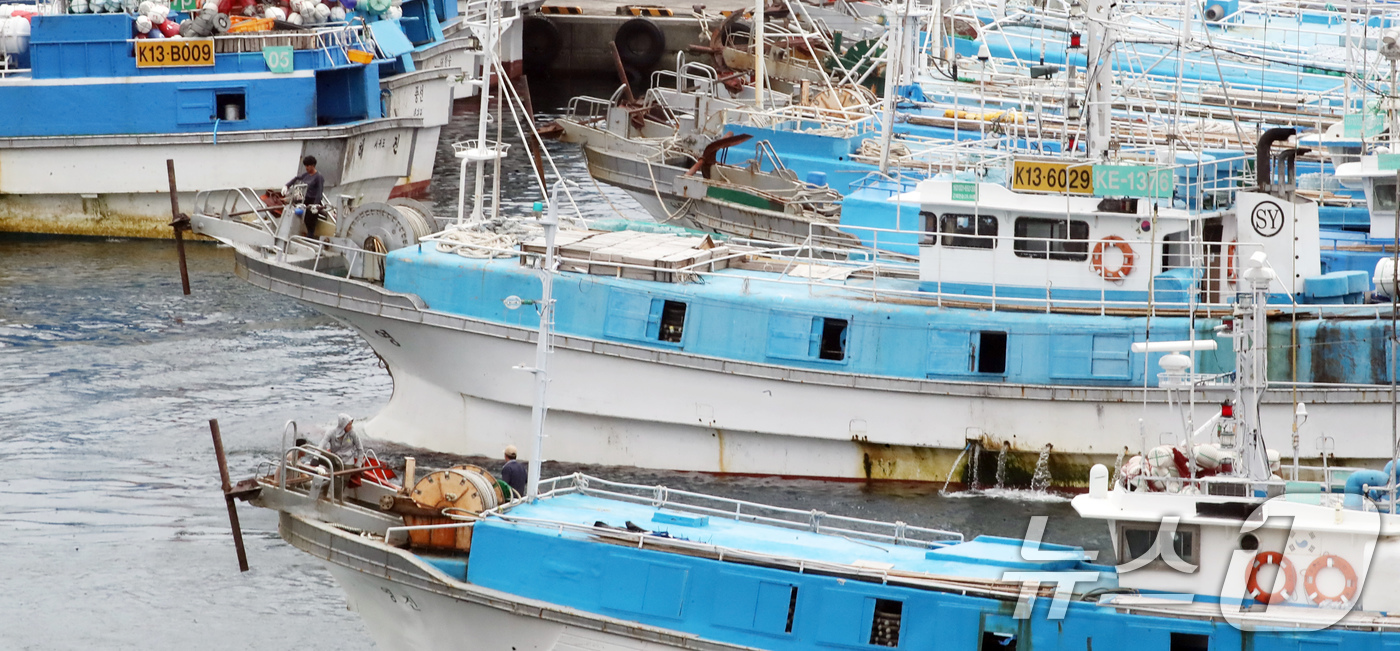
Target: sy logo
1267, 219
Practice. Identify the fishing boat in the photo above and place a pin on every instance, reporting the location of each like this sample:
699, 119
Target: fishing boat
102, 96
579, 561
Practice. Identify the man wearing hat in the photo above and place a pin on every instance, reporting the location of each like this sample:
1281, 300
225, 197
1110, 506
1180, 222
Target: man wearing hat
515, 473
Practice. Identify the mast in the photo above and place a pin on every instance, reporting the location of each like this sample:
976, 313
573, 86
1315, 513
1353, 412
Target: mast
894, 57
550, 221
1098, 95
1250, 332
760, 68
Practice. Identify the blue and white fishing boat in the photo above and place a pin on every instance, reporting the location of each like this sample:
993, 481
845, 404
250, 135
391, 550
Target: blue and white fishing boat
581, 562
92, 124
1009, 325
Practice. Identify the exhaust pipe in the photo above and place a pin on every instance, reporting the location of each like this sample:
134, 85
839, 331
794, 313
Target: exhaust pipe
1263, 171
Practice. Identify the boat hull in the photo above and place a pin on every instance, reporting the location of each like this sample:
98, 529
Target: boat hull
408, 605
617, 404
116, 186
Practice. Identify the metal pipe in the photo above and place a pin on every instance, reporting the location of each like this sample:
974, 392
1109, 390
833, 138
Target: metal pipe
179, 223
1262, 171
228, 499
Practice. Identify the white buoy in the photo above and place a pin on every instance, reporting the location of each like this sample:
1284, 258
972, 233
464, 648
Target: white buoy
275, 13
1098, 481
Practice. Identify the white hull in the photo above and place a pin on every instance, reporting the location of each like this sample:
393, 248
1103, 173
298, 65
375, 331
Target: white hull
455, 390
425, 95
407, 605
117, 185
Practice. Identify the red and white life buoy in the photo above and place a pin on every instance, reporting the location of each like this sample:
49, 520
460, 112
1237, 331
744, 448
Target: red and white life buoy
1096, 260
1325, 561
1230, 252
1285, 567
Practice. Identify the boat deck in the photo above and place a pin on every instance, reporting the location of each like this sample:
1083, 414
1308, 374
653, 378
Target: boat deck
982, 558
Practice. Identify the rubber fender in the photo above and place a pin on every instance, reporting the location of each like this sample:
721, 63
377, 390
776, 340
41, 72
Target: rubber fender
539, 43
640, 43
1372, 478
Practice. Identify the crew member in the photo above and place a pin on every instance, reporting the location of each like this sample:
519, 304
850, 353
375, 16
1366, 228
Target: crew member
315, 190
341, 440
515, 474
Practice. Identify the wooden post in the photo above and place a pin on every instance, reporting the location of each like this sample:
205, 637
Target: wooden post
180, 223
410, 467
228, 499
522, 88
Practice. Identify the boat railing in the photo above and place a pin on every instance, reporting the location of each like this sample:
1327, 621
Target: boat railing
292, 468
1306, 480
585, 109
238, 204
661, 497
872, 267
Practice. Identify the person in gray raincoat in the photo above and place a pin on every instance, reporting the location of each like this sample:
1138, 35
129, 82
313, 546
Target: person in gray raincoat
342, 440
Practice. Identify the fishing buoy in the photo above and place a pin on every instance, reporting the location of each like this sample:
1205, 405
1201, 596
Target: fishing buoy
349, 5
169, 28
144, 9
1209, 456
322, 13
275, 13
294, 18
394, 13
143, 25
338, 14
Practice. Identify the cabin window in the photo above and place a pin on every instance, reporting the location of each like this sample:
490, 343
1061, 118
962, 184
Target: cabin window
792, 609
806, 337
672, 322
884, 628
1135, 541
968, 231
1176, 250
1057, 239
929, 224
639, 317
993, 641
1384, 194
991, 352
833, 346
232, 105
1190, 642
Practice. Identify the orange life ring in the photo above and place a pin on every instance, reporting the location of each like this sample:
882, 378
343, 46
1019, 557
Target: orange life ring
1251, 579
1096, 261
1230, 253
1323, 562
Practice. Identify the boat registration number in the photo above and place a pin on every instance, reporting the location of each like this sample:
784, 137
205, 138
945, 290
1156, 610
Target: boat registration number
1053, 177
170, 53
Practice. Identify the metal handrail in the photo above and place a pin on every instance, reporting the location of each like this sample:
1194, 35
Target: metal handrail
898, 533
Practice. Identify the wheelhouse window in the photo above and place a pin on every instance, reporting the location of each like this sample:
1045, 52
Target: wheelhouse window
1385, 195
1057, 239
968, 231
1136, 541
928, 223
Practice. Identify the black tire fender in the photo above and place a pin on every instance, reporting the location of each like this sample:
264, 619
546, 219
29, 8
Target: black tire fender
640, 43
540, 43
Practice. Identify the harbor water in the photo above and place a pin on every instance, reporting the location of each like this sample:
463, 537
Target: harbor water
113, 531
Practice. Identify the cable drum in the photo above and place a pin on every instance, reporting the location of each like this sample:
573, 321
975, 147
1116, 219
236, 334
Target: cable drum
395, 226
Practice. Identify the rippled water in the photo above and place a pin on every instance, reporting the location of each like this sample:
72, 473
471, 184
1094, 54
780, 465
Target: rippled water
113, 533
